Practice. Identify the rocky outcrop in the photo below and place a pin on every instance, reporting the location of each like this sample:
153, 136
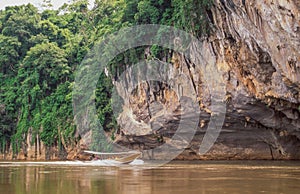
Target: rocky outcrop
255, 46
33, 149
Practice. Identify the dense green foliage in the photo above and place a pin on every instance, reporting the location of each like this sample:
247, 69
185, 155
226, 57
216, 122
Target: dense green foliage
40, 50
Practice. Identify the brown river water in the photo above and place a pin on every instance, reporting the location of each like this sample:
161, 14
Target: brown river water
173, 178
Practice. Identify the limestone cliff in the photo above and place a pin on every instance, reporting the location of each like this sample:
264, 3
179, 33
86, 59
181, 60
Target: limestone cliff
255, 45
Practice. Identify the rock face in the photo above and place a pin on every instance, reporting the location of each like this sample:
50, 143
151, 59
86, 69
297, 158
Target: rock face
255, 48
39, 151
253, 53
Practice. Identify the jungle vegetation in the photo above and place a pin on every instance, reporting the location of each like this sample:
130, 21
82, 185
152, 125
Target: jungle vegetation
40, 49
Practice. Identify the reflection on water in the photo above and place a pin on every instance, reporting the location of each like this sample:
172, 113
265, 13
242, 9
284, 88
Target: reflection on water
204, 177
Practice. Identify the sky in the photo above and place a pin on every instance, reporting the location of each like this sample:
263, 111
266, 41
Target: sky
56, 3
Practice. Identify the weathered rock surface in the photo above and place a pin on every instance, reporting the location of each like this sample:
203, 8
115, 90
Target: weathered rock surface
255, 46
